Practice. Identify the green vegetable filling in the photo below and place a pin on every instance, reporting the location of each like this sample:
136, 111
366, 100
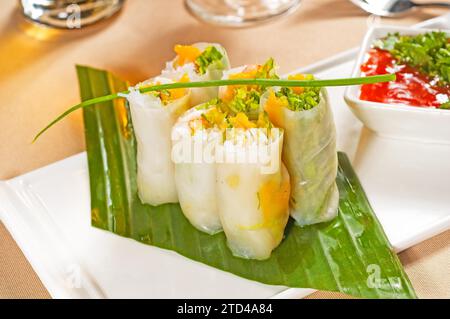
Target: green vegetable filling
267, 71
246, 98
308, 98
209, 57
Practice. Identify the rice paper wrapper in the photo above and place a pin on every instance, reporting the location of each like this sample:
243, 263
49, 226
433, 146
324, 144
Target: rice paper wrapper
252, 200
214, 72
152, 123
195, 172
310, 156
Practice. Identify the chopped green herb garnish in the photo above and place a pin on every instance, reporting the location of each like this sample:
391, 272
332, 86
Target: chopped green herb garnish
445, 106
428, 52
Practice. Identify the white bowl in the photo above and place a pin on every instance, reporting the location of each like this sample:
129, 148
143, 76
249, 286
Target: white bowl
399, 121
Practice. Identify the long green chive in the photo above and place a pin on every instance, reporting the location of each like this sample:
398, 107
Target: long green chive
261, 82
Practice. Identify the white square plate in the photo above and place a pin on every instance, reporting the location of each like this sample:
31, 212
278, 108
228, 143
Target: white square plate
48, 213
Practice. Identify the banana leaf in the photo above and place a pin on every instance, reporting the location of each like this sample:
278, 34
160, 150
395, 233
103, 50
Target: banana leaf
350, 254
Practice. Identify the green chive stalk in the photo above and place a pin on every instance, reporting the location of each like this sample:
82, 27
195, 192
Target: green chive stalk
261, 82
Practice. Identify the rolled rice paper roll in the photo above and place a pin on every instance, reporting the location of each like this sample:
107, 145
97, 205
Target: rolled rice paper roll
195, 169
310, 156
187, 63
253, 202
153, 120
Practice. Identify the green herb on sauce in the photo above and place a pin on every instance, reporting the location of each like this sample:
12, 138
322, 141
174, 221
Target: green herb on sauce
428, 52
445, 106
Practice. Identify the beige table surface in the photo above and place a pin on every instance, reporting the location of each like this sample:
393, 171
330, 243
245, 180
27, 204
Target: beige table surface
38, 81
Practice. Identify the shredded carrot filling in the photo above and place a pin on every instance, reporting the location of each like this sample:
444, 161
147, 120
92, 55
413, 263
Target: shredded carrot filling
197, 124
186, 54
241, 121
262, 121
274, 108
273, 197
249, 72
212, 118
175, 94
215, 117
297, 90
274, 201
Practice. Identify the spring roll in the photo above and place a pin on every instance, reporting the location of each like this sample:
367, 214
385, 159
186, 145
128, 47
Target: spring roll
153, 115
194, 138
252, 195
309, 150
200, 62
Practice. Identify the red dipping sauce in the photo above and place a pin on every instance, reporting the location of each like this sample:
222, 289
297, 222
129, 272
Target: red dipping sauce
410, 88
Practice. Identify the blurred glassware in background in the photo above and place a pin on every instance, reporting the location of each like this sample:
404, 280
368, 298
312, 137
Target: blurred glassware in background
240, 13
395, 8
69, 14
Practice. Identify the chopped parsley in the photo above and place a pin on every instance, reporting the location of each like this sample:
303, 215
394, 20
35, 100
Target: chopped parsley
445, 106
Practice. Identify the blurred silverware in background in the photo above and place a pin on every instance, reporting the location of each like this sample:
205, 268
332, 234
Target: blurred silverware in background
395, 8
69, 14
240, 13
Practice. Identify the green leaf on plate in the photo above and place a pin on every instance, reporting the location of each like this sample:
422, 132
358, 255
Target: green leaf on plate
350, 254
